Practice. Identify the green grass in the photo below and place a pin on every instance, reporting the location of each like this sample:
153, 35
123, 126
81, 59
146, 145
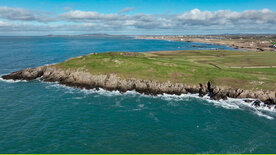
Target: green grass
236, 69
273, 43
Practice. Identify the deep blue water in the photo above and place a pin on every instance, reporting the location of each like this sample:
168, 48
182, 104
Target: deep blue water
39, 117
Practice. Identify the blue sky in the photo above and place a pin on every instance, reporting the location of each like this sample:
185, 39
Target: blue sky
142, 6
21, 17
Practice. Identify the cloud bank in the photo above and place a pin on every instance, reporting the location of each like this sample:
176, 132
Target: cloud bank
197, 21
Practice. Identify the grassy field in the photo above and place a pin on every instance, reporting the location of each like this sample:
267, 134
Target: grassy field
236, 69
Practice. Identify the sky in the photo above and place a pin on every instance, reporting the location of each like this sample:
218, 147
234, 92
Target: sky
136, 17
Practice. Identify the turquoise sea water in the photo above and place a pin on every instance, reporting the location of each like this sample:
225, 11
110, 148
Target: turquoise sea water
39, 117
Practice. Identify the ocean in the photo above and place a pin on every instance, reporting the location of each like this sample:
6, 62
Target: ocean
40, 117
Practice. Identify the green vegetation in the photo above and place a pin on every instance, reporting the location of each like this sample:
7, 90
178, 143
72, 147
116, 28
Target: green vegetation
237, 69
273, 43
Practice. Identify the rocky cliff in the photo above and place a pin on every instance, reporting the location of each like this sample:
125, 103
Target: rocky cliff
82, 79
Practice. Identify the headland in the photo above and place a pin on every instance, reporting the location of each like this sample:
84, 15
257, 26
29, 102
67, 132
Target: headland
219, 74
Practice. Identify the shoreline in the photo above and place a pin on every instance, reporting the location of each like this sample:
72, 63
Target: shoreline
111, 82
248, 46
229, 103
199, 41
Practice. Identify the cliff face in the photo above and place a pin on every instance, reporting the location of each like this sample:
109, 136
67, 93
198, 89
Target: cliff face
86, 80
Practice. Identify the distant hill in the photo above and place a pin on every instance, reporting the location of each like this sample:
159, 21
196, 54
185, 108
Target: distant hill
90, 35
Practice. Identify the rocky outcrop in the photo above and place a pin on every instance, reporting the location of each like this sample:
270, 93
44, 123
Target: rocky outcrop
82, 79
26, 74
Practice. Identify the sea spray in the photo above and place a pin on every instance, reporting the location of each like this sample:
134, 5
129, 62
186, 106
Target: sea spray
230, 103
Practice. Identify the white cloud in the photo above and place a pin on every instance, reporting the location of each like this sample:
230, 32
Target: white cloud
194, 17
24, 15
223, 17
87, 15
194, 20
16, 14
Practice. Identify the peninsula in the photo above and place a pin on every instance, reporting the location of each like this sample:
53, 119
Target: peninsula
221, 74
249, 42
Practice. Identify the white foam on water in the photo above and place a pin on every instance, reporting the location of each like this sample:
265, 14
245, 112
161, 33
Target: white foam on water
78, 98
225, 104
263, 115
101, 92
241, 103
56, 85
131, 92
185, 97
181, 97
230, 103
141, 105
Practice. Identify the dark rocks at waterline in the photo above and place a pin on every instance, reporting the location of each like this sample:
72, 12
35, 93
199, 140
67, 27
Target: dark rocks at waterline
256, 103
82, 79
270, 101
26, 74
202, 90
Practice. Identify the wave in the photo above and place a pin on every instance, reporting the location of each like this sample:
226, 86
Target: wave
78, 98
230, 103
259, 113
